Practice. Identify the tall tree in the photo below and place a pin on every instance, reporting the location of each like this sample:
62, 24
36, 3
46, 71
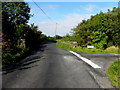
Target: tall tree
13, 14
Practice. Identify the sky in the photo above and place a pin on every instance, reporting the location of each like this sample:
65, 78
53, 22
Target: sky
67, 15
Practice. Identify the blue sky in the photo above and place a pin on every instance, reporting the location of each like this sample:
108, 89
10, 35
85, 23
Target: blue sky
66, 14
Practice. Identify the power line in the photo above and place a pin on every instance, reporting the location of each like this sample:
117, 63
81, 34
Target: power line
48, 17
43, 11
56, 30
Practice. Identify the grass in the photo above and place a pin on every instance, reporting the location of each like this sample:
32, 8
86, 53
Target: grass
0, 66
86, 50
113, 73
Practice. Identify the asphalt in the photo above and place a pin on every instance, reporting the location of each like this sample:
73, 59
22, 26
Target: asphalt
49, 67
99, 74
103, 60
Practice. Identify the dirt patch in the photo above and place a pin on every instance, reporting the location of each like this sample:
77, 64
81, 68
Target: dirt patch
112, 47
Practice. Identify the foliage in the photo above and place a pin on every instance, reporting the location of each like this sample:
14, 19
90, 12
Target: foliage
67, 37
113, 73
58, 37
101, 30
32, 36
11, 56
15, 16
53, 39
100, 40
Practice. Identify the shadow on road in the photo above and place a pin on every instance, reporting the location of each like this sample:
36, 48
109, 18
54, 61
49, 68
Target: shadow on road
27, 62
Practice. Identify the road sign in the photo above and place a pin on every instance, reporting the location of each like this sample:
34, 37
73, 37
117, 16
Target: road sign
90, 46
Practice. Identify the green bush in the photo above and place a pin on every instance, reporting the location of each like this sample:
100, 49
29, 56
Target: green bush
110, 43
113, 73
10, 55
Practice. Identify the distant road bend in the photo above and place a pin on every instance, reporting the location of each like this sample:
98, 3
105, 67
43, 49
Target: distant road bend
50, 67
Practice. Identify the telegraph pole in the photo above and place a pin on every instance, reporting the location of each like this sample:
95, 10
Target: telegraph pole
55, 30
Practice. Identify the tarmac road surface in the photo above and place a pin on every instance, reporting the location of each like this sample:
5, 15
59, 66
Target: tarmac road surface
49, 67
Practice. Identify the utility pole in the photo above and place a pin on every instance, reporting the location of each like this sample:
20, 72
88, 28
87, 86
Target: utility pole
55, 30
119, 4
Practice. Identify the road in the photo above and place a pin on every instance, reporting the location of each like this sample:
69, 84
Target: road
50, 67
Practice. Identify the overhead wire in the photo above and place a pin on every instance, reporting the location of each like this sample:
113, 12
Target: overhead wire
47, 16
44, 12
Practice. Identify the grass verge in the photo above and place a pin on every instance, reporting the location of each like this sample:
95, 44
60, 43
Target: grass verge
85, 50
113, 73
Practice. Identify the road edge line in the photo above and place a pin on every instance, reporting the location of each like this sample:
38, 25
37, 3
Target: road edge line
92, 74
85, 60
95, 78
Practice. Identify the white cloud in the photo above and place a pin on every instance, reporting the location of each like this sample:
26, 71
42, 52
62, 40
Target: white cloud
51, 7
90, 8
64, 26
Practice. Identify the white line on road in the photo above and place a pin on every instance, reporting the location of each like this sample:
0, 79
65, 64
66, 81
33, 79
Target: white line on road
86, 60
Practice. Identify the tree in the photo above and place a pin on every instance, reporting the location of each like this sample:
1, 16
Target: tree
33, 37
58, 37
101, 30
14, 14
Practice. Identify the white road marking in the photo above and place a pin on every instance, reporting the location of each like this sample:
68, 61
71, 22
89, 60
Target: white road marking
86, 60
